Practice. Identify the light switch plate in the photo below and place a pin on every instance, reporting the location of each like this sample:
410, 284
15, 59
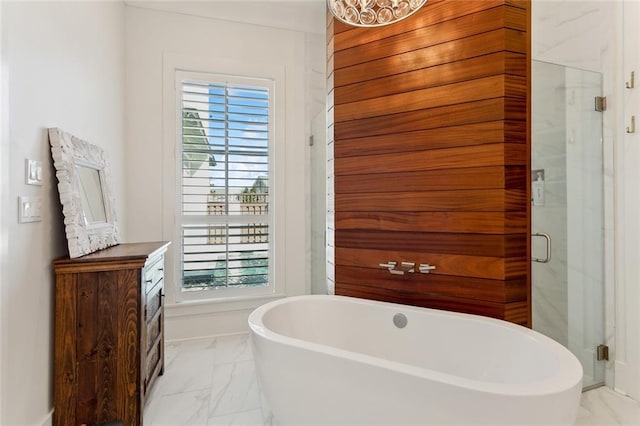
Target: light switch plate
33, 172
29, 209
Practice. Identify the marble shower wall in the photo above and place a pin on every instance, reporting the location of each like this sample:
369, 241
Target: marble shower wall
573, 33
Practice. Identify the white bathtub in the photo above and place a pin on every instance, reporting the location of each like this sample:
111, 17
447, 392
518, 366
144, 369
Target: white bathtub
337, 360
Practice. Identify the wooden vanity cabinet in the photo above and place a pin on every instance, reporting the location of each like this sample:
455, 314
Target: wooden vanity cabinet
109, 332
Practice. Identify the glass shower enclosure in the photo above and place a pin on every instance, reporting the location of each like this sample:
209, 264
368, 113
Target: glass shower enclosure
568, 212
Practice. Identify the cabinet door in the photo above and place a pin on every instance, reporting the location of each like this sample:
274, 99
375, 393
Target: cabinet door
153, 277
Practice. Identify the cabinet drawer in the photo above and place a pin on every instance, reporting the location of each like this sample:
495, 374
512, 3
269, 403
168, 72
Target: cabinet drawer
153, 301
153, 274
154, 330
154, 364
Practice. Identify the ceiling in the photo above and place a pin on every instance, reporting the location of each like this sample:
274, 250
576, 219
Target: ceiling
298, 15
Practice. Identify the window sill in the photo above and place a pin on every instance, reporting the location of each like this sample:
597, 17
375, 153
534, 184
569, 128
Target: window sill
225, 304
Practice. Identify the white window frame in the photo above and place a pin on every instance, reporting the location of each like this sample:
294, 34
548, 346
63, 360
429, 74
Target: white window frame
182, 219
176, 65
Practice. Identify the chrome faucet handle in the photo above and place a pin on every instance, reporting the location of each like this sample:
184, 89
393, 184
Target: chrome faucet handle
425, 268
401, 269
388, 265
404, 267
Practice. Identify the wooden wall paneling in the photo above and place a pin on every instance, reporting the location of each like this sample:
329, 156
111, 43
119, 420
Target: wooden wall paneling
430, 132
424, 222
449, 94
514, 312
480, 133
430, 56
488, 177
476, 266
439, 11
459, 28
527, 5
477, 200
494, 109
492, 290
493, 245
494, 64
498, 154
523, 4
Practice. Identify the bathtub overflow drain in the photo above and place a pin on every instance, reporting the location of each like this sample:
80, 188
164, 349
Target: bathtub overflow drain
400, 320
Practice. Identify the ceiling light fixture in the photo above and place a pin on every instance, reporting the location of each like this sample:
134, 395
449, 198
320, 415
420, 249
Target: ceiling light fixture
373, 13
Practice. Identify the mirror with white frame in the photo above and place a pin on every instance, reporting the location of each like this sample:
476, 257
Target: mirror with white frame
85, 193
90, 187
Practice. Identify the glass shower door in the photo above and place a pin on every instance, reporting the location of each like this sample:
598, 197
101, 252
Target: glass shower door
568, 208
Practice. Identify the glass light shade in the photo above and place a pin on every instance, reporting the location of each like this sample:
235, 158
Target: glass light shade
373, 13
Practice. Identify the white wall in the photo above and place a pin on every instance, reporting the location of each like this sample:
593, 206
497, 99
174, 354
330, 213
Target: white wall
152, 36
64, 64
4, 190
627, 356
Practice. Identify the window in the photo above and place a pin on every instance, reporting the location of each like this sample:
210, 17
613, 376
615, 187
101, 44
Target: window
224, 216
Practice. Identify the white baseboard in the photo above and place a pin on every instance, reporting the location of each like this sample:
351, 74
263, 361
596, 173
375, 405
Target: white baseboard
626, 380
185, 327
48, 420
193, 320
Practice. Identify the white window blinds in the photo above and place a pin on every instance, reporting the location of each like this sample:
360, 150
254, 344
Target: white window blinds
225, 216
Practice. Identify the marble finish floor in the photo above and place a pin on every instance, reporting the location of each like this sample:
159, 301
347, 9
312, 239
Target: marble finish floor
212, 382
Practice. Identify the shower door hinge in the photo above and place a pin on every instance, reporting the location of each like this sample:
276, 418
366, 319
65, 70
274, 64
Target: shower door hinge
601, 103
602, 353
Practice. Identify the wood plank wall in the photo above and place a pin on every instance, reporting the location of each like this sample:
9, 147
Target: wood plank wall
429, 152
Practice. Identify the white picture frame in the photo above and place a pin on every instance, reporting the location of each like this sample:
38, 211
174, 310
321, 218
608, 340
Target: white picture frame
84, 185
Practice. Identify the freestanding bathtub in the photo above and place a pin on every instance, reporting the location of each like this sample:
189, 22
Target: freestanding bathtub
336, 360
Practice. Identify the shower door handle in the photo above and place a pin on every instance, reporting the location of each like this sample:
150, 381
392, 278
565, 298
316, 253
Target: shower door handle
547, 258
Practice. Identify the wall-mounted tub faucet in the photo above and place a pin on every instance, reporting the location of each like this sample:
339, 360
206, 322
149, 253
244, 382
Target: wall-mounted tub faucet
425, 268
396, 269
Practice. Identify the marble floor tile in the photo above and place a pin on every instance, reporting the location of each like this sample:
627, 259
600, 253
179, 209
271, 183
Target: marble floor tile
603, 406
244, 418
269, 419
189, 368
234, 389
191, 345
267, 414
213, 381
235, 348
185, 408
